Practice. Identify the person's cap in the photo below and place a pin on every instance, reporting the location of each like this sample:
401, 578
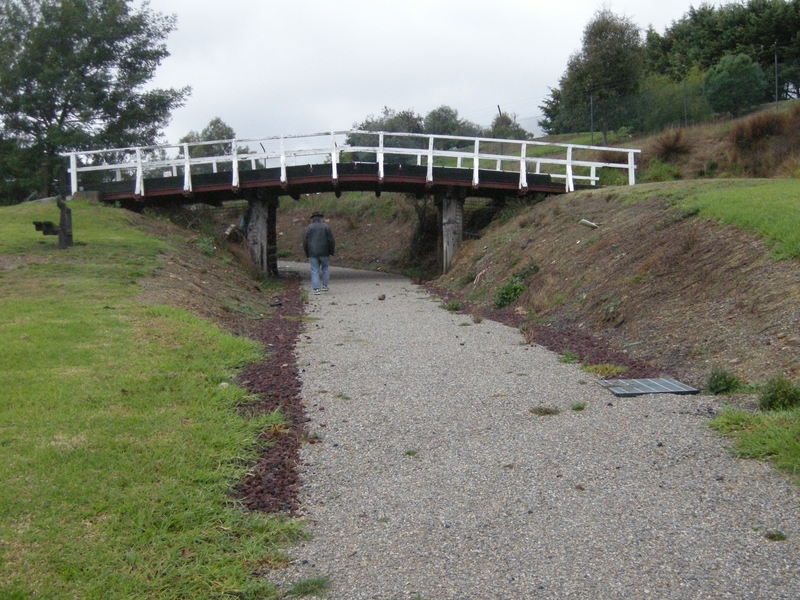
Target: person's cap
316, 214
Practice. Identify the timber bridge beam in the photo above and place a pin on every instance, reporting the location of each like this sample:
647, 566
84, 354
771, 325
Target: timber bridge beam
261, 170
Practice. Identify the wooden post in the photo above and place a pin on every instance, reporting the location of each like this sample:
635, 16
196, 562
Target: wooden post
257, 234
452, 228
262, 235
65, 224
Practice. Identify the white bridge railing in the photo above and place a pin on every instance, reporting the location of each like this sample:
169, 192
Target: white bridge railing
570, 162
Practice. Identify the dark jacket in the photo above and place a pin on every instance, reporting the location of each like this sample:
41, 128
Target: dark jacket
318, 239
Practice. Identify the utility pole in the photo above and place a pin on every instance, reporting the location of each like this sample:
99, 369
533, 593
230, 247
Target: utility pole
591, 114
685, 108
776, 74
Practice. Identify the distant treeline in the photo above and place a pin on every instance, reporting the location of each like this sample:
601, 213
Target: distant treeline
712, 61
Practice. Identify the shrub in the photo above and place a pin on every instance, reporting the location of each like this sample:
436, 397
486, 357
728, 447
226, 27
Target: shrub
205, 245
453, 306
671, 144
722, 382
779, 393
660, 171
508, 294
747, 135
568, 357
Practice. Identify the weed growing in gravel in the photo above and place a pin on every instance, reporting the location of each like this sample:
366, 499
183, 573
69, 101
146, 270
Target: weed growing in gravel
568, 357
453, 306
578, 406
605, 370
765, 436
544, 411
722, 382
779, 393
315, 586
775, 536
411, 453
477, 318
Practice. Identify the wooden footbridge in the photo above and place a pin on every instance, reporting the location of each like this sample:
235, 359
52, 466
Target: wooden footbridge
262, 170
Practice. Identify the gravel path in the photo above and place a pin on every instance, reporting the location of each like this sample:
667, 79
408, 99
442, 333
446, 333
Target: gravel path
435, 480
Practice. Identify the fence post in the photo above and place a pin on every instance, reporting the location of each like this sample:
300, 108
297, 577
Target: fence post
73, 172
476, 164
334, 159
523, 168
380, 156
631, 168
283, 163
570, 182
139, 188
234, 166
429, 176
187, 171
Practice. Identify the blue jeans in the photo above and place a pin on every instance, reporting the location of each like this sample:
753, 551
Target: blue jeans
319, 263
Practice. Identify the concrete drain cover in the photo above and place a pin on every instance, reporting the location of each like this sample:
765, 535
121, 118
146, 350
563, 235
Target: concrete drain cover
637, 387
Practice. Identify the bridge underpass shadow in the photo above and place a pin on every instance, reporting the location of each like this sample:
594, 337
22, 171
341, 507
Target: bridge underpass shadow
339, 275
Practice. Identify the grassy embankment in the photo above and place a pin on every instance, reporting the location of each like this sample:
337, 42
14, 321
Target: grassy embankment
118, 445
771, 210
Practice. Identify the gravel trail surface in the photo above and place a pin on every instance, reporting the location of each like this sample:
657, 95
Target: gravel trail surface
435, 480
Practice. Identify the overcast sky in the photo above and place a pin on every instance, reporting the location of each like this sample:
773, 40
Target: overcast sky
304, 66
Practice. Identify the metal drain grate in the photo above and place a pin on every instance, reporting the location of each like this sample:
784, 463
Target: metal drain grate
637, 387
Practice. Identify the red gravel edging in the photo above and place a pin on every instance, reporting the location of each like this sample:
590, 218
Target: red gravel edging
273, 481
589, 348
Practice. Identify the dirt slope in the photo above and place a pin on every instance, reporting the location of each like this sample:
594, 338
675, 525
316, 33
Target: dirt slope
650, 281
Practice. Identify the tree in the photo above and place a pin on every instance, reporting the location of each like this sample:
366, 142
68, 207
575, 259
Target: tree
72, 77
607, 69
216, 129
735, 84
405, 121
505, 126
444, 120
762, 29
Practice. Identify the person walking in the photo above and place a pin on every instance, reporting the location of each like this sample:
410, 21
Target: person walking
319, 245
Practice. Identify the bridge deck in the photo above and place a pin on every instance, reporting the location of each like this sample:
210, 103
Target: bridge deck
418, 164
212, 188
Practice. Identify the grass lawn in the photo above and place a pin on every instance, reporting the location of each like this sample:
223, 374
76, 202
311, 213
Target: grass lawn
118, 445
768, 208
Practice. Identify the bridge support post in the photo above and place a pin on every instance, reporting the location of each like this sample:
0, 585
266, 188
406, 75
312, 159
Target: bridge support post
452, 228
262, 236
